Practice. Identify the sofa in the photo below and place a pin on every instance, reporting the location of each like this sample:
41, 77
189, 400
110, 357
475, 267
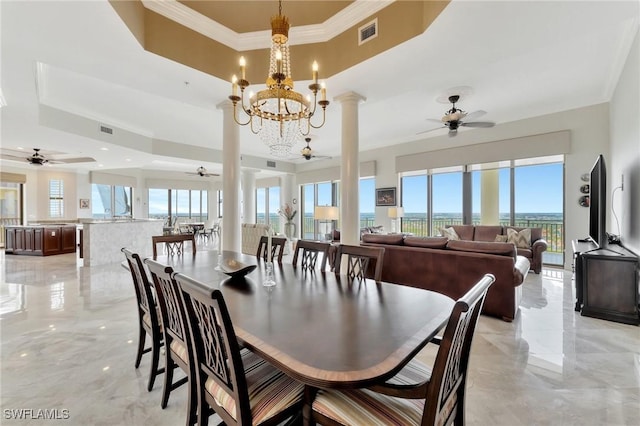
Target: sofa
453, 267
531, 248
251, 233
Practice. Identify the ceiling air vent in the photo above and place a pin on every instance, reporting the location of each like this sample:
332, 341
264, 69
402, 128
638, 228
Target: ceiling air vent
368, 31
271, 163
107, 130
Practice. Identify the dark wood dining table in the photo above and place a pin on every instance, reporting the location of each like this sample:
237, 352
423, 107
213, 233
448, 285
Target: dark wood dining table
323, 329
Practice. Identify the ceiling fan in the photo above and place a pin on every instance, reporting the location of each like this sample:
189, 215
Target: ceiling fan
201, 171
38, 159
307, 152
455, 118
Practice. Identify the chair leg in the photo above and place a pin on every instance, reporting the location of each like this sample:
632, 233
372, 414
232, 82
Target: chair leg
155, 354
141, 341
192, 403
168, 378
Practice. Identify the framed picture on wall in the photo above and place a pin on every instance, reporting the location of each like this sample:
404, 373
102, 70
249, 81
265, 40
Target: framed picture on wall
85, 203
386, 196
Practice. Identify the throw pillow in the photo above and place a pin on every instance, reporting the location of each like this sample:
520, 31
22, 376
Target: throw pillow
500, 239
450, 233
379, 229
521, 239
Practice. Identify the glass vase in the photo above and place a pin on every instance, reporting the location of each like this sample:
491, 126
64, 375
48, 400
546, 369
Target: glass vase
290, 229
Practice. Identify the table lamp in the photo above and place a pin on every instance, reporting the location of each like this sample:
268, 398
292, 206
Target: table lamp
326, 214
395, 213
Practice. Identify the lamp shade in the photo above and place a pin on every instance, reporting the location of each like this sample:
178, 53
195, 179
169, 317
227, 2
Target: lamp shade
326, 213
395, 212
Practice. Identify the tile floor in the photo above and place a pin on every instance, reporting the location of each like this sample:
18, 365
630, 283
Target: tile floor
68, 341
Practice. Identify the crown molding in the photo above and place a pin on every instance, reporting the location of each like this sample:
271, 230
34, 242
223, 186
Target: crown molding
307, 34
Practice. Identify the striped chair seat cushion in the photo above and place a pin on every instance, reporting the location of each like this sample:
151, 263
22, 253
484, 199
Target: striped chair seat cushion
180, 350
414, 372
270, 390
365, 407
146, 318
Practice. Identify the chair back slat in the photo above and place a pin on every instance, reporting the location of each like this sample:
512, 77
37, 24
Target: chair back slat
216, 350
168, 300
358, 259
140, 281
277, 248
445, 392
310, 251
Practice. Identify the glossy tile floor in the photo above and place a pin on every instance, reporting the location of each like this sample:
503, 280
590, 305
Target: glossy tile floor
69, 339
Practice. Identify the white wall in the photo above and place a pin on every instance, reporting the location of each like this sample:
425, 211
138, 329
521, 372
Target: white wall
625, 152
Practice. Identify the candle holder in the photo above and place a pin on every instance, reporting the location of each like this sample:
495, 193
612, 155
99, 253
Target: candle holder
269, 280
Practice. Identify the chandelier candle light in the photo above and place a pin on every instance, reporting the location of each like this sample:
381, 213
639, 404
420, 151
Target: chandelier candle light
279, 114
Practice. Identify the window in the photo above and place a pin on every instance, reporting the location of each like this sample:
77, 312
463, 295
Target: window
109, 201
175, 204
316, 194
414, 193
367, 202
56, 198
267, 206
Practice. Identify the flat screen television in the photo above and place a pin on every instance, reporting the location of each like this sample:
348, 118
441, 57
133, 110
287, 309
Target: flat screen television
598, 202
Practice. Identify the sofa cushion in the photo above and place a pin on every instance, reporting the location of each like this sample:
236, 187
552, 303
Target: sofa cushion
393, 239
486, 232
500, 239
378, 229
429, 242
449, 233
504, 249
465, 232
521, 239
536, 233
528, 253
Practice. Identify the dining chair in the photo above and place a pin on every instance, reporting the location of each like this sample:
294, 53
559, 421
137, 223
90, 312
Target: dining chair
174, 244
418, 394
310, 251
235, 383
176, 336
148, 316
358, 258
277, 248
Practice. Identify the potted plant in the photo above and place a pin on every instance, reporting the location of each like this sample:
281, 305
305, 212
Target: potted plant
288, 213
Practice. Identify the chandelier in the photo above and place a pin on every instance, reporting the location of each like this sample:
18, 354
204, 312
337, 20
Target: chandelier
278, 114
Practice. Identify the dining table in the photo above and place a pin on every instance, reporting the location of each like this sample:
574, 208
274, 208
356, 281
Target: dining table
324, 329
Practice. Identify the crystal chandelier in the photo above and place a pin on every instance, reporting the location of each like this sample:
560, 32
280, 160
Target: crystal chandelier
279, 114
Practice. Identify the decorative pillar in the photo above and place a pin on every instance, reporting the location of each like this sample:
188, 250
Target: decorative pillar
231, 229
490, 197
350, 169
249, 196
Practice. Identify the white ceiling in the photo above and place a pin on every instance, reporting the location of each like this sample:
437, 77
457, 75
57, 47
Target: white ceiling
67, 65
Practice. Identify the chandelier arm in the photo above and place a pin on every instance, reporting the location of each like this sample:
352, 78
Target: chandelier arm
308, 130
255, 132
236, 118
324, 116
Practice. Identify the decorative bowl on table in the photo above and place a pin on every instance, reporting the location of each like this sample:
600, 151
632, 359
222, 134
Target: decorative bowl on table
236, 269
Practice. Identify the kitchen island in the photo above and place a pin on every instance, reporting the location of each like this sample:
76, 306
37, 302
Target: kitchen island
40, 239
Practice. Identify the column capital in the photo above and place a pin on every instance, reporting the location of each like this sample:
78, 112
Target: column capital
225, 105
350, 97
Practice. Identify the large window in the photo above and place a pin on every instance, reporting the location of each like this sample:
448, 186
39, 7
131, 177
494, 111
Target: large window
523, 193
176, 204
367, 202
111, 201
56, 198
267, 205
316, 194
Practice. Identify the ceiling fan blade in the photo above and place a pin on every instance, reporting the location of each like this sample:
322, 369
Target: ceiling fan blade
483, 124
475, 114
13, 157
431, 130
71, 160
433, 120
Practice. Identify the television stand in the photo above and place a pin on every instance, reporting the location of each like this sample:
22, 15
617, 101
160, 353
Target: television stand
580, 246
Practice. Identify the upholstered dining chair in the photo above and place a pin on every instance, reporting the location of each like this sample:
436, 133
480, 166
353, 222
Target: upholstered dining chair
148, 316
310, 251
174, 244
418, 394
176, 336
358, 258
235, 383
277, 248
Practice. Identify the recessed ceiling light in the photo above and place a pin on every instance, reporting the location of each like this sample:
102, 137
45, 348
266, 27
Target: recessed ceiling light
104, 149
127, 159
19, 147
100, 165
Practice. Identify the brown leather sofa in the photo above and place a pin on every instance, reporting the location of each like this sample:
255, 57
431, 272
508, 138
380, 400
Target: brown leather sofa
489, 233
452, 267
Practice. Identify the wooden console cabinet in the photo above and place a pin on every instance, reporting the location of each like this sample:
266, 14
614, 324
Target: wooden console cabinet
609, 279
41, 240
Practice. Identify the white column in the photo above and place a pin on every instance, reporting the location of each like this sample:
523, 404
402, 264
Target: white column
249, 196
490, 198
231, 230
350, 169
